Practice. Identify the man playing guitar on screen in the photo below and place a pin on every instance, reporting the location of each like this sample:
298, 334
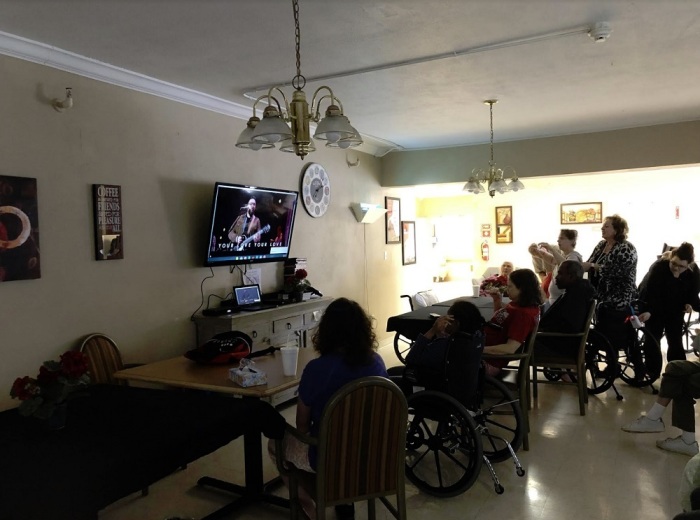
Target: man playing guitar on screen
246, 226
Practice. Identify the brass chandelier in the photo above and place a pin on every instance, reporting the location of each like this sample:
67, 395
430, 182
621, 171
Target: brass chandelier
493, 177
287, 124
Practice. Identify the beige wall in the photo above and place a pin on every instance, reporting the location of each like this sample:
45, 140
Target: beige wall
633, 148
166, 157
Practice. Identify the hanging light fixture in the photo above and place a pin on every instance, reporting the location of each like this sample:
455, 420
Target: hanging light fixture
493, 177
288, 123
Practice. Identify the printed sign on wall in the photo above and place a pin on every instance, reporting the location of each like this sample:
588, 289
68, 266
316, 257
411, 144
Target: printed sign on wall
109, 235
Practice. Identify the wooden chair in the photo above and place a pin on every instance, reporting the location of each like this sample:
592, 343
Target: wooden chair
104, 359
361, 450
575, 362
522, 378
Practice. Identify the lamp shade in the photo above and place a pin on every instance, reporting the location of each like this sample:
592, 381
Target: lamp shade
272, 129
245, 140
472, 186
347, 142
288, 146
498, 185
516, 185
333, 128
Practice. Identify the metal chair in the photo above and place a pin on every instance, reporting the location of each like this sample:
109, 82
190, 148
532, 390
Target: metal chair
361, 450
574, 362
104, 358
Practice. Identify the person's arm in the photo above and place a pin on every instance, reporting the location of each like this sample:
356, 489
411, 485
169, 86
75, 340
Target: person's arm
497, 299
254, 228
232, 235
441, 327
551, 254
303, 419
509, 347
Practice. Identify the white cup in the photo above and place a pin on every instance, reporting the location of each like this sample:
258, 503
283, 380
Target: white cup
475, 290
290, 356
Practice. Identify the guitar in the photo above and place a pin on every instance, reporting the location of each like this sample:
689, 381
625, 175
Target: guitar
252, 237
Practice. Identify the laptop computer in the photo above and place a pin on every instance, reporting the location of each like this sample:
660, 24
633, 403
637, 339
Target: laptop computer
248, 298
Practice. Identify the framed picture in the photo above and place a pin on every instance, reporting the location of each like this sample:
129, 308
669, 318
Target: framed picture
504, 224
19, 229
109, 235
582, 213
392, 220
408, 243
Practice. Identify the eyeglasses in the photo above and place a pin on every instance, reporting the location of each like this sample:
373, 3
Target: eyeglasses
678, 266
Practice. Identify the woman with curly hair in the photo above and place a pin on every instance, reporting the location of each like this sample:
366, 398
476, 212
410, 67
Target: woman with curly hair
612, 267
347, 346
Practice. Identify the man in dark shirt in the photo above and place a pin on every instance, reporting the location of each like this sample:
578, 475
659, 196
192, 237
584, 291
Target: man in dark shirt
568, 313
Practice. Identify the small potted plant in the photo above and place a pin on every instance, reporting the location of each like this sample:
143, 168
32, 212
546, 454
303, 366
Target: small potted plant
297, 284
44, 397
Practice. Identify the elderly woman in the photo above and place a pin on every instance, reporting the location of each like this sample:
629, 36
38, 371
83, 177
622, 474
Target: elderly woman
612, 267
565, 250
668, 291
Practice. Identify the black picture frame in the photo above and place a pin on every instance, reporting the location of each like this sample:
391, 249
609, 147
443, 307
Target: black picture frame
408, 242
392, 220
108, 221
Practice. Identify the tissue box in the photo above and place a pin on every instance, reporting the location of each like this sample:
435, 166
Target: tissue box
247, 375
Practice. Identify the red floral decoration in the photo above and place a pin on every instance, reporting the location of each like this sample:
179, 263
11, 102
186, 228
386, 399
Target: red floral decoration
497, 281
52, 386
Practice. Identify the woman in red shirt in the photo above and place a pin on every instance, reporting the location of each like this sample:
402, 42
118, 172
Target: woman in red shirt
511, 324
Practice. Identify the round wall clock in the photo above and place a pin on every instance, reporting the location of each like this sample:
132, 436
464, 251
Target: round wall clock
315, 190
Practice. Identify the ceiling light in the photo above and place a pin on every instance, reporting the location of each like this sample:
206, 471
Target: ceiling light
493, 177
289, 124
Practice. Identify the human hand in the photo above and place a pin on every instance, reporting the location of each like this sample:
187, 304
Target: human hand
688, 308
644, 316
443, 326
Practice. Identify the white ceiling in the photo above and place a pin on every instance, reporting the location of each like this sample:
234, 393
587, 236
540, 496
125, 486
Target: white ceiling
648, 72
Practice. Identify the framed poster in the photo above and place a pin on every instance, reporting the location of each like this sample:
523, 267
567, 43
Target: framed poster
109, 235
582, 213
408, 243
392, 220
19, 229
504, 224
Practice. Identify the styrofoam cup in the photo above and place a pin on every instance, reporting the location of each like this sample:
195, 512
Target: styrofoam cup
290, 356
475, 290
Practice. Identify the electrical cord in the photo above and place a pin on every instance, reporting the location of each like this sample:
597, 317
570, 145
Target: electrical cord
201, 290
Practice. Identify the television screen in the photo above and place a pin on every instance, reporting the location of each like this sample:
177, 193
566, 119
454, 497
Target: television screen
250, 224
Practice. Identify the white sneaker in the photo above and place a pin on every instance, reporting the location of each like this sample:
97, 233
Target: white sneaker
678, 445
645, 425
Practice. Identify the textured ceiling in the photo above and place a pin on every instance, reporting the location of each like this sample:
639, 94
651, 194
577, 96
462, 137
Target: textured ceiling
646, 73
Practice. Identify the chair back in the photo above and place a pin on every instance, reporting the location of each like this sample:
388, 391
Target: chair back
362, 443
104, 358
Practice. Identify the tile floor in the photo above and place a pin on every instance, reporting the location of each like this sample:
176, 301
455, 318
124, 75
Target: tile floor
577, 468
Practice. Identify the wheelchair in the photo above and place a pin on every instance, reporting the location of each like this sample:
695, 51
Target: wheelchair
460, 421
616, 349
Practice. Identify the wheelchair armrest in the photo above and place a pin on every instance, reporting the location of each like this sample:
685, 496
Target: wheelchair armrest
410, 300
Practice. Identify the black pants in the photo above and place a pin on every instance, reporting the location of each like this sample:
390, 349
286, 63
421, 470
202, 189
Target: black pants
672, 326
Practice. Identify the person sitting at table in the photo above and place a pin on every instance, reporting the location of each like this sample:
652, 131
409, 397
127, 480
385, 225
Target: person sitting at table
512, 324
347, 345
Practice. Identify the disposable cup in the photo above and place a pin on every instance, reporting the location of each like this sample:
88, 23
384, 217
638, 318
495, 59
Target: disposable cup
290, 356
475, 290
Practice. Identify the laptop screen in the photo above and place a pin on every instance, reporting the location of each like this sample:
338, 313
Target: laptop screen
247, 294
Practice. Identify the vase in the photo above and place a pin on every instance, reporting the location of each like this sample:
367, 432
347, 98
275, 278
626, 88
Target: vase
57, 420
298, 296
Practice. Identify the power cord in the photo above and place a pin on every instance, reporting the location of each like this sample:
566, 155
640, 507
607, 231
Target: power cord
201, 290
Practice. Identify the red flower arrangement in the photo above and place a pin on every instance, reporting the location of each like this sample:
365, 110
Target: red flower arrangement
56, 380
497, 281
297, 282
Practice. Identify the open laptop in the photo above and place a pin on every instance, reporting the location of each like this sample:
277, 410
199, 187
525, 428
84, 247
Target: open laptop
248, 298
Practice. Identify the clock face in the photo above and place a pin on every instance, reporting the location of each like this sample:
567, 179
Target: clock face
315, 190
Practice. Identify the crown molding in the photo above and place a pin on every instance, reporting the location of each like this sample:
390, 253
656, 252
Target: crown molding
37, 52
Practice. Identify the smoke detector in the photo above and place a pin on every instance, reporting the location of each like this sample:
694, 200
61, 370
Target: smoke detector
600, 32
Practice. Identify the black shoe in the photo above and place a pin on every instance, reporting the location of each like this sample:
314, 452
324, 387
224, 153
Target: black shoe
345, 511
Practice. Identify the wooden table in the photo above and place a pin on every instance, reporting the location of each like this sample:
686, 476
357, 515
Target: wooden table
183, 373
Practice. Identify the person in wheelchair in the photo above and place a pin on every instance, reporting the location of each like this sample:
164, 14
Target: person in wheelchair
347, 345
428, 352
568, 312
512, 324
670, 289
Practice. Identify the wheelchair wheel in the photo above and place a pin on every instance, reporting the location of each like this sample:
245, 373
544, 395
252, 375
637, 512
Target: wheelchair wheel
501, 415
601, 363
443, 448
401, 347
641, 362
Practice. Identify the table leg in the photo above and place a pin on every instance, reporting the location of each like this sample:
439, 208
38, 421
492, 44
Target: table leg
254, 489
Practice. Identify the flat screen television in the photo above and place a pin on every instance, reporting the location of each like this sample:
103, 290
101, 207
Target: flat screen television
250, 224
